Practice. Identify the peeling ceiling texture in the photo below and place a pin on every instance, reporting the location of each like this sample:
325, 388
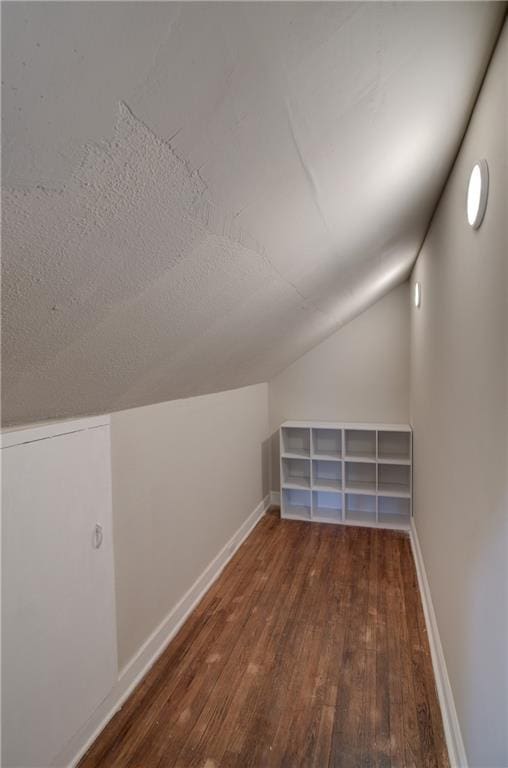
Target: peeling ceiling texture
196, 194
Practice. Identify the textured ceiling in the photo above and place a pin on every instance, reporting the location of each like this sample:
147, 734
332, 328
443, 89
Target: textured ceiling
196, 194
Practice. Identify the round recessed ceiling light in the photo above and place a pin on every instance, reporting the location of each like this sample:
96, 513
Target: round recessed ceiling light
418, 295
477, 191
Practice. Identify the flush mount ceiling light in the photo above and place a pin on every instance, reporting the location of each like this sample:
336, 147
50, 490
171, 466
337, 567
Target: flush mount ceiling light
418, 294
477, 191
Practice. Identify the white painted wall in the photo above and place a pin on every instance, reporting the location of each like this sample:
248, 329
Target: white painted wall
186, 475
59, 650
361, 373
459, 412
188, 480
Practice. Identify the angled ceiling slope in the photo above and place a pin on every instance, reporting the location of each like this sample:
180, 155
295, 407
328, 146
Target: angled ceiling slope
196, 194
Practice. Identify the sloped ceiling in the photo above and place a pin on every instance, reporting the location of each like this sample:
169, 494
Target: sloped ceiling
196, 194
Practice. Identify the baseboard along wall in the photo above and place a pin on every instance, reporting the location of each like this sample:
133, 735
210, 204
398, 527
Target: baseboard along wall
454, 741
155, 644
453, 735
160, 638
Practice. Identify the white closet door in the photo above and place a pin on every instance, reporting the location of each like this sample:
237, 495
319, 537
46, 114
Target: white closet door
59, 630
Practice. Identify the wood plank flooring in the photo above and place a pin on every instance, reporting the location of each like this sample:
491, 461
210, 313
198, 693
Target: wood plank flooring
309, 650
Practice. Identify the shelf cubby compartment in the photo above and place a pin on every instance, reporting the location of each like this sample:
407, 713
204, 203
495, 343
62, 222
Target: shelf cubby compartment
360, 477
296, 441
327, 443
394, 511
394, 446
326, 507
296, 504
296, 473
394, 479
361, 444
360, 508
326, 475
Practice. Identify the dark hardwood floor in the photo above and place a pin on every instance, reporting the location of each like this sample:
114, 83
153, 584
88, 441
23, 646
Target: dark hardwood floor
309, 650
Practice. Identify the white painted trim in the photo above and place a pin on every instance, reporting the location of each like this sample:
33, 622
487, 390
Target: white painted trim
155, 644
372, 425
22, 435
454, 742
275, 498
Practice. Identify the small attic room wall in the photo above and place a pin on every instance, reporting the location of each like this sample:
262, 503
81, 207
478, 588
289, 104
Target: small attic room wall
360, 373
459, 412
186, 475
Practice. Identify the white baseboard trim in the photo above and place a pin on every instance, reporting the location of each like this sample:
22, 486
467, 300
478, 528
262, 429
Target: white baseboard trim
155, 644
275, 498
454, 742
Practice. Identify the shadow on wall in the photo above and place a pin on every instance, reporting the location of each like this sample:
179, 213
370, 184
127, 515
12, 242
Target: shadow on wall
274, 462
265, 466
487, 576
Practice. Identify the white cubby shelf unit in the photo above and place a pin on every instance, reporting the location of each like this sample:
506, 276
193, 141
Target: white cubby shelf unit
356, 474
